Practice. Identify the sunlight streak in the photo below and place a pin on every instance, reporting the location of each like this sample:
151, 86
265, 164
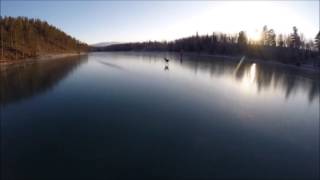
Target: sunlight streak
249, 78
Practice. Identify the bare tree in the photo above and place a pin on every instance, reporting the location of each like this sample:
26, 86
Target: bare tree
271, 38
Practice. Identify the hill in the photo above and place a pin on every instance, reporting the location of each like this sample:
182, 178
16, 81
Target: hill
23, 38
104, 44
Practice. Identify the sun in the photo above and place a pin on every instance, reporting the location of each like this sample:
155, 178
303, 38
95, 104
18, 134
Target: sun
254, 35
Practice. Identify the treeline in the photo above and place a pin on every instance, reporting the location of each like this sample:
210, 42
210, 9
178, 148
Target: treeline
293, 48
24, 38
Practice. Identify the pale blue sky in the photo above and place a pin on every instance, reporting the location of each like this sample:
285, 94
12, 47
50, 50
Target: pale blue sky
99, 21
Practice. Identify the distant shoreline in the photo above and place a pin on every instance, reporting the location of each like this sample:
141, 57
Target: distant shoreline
4, 64
306, 68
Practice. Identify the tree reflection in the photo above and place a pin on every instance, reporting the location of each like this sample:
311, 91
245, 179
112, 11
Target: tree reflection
166, 68
265, 76
17, 83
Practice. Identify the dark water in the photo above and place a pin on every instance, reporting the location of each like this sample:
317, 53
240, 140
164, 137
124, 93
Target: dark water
134, 116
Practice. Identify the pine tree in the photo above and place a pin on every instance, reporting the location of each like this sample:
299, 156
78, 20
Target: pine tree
317, 41
295, 39
242, 41
280, 40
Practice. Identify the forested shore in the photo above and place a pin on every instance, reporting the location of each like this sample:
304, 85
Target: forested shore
288, 49
23, 38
